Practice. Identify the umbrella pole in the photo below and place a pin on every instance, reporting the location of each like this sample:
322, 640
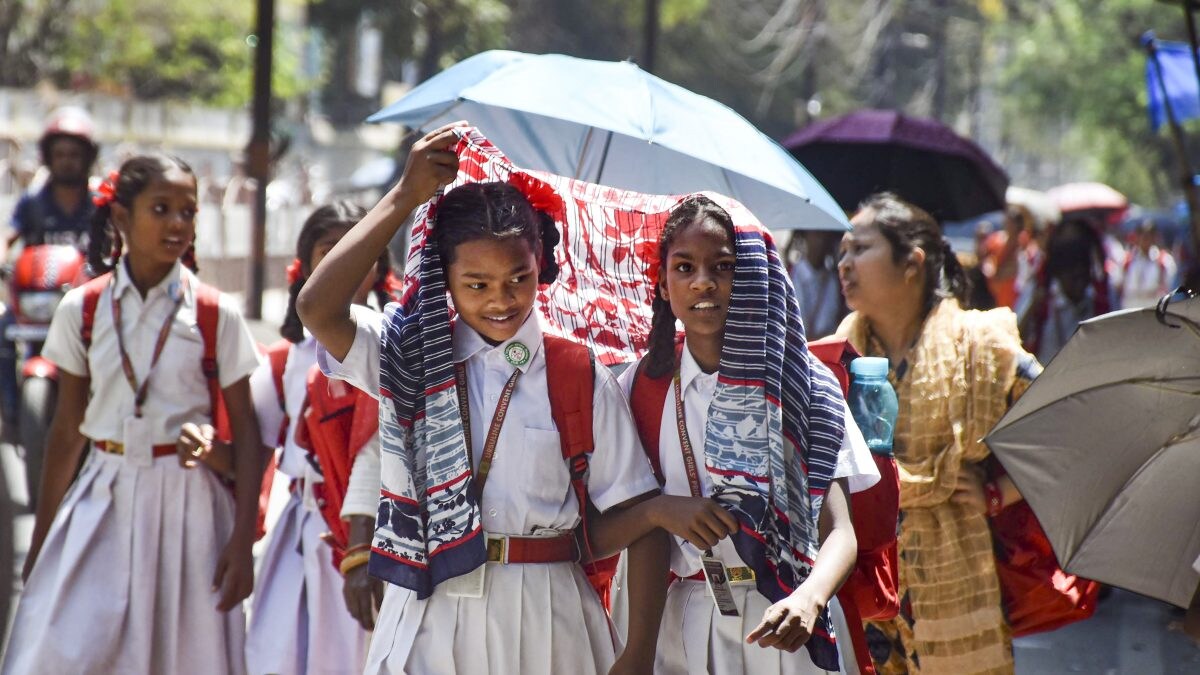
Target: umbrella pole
1188, 177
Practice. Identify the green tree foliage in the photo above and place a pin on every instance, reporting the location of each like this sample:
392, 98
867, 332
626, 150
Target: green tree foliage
1073, 86
201, 51
198, 51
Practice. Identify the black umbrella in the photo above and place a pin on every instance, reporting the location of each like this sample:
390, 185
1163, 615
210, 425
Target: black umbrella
922, 160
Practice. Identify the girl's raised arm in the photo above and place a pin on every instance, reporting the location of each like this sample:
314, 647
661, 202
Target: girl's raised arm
324, 303
64, 444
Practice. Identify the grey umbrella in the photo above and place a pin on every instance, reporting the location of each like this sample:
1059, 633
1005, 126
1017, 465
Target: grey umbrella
1105, 446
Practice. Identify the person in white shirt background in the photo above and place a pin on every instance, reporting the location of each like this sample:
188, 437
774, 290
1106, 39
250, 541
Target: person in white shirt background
1150, 269
142, 564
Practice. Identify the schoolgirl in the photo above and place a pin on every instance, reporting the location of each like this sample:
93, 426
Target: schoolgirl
738, 405
141, 565
482, 562
299, 622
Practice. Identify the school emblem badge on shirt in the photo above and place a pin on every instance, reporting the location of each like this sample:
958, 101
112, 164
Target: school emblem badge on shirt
517, 354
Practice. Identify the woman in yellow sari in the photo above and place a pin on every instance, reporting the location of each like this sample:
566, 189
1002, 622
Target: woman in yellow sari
955, 373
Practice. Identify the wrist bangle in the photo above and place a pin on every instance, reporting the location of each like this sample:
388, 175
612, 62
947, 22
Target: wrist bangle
366, 546
356, 559
995, 498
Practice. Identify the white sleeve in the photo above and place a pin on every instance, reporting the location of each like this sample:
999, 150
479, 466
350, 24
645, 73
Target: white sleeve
266, 404
64, 346
855, 462
237, 352
362, 494
619, 469
361, 366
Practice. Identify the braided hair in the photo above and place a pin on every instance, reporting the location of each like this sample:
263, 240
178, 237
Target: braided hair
660, 359
906, 227
338, 215
104, 244
495, 210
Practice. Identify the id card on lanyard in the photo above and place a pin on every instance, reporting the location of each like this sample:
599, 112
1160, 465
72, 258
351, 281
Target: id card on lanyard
716, 575
471, 584
138, 438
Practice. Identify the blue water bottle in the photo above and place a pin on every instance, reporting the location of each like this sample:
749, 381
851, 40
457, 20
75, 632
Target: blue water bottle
873, 402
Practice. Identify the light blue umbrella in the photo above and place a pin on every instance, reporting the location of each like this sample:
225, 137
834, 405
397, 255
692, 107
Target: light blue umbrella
613, 123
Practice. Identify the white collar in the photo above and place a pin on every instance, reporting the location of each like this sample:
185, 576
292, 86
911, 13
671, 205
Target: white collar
468, 342
690, 371
175, 280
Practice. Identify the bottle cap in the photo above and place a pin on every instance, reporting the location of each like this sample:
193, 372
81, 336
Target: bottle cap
869, 366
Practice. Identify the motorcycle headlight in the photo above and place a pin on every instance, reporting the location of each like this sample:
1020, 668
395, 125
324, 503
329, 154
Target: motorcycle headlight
39, 306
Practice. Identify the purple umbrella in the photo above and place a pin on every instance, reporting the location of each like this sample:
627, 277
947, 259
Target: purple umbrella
922, 160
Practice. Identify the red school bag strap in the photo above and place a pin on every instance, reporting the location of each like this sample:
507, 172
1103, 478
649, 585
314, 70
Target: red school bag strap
208, 314
277, 357
647, 397
91, 298
570, 381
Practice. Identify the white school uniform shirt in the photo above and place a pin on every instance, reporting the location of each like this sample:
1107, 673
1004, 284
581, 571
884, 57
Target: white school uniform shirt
178, 390
854, 462
300, 360
528, 488
362, 492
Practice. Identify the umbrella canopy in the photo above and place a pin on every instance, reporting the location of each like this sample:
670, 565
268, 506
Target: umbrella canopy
615, 124
1087, 197
922, 160
1039, 204
1105, 446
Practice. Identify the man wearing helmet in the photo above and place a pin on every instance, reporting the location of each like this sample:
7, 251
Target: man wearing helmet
59, 213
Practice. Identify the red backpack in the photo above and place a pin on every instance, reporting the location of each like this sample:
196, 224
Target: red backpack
336, 422
208, 300
872, 590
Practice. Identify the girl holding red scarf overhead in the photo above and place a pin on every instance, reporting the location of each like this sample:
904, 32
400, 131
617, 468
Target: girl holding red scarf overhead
140, 565
479, 510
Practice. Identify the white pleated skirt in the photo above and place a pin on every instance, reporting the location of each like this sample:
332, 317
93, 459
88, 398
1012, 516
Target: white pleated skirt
124, 580
696, 638
299, 623
533, 619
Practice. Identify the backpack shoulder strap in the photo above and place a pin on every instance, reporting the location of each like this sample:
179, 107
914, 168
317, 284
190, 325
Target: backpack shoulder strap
277, 357
208, 312
91, 298
570, 379
646, 399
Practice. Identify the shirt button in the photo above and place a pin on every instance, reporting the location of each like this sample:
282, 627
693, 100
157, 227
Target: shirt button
492, 512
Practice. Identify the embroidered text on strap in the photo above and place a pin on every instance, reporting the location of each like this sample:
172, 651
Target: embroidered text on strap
685, 442
141, 391
493, 436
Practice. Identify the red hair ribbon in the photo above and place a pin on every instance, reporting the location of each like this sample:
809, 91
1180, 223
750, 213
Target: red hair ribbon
648, 251
541, 195
107, 192
392, 285
293, 271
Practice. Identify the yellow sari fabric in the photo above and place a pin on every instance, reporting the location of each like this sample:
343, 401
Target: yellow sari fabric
956, 382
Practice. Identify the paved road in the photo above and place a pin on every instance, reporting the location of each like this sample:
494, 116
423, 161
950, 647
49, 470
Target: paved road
1128, 635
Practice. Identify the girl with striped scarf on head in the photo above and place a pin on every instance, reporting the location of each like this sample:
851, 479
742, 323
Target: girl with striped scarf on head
756, 452
478, 515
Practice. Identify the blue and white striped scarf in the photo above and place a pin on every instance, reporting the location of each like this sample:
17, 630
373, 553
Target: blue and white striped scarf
775, 426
